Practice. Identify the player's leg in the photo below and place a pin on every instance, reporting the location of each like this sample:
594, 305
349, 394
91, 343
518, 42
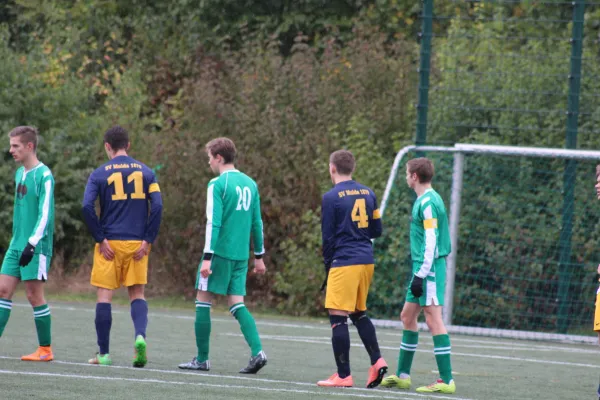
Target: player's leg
135, 276
433, 292
10, 275
366, 330
34, 275
235, 300
340, 301
408, 346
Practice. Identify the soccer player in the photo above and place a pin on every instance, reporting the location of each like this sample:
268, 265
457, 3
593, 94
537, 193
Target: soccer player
349, 220
429, 246
30, 250
130, 215
233, 216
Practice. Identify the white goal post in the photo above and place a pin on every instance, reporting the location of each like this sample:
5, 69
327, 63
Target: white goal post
459, 151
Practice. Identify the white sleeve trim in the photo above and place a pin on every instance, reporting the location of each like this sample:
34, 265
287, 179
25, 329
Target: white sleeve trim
209, 216
430, 246
41, 229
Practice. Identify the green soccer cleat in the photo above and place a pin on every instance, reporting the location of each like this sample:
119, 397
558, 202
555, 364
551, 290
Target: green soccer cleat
100, 359
438, 387
140, 359
393, 381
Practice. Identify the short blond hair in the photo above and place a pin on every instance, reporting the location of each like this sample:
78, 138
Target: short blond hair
223, 147
27, 134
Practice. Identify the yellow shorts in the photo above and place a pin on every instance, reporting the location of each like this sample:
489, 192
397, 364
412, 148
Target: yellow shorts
123, 269
348, 287
597, 313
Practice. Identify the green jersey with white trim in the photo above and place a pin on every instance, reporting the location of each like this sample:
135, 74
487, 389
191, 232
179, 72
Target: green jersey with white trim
33, 215
429, 233
233, 216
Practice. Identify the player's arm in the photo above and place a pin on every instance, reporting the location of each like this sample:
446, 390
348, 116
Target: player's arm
89, 210
328, 230
258, 239
156, 207
41, 226
214, 217
430, 225
376, 226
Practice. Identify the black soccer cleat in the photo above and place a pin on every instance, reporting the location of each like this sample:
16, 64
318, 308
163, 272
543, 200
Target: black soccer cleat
195, 365
255, 363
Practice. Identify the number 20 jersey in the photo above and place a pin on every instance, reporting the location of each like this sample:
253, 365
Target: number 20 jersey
125, 187
233, 216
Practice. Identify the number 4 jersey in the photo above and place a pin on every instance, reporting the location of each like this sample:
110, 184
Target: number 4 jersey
233, 216
130, 201
349, 220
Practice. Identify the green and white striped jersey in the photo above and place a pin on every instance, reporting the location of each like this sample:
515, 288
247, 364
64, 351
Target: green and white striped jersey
33, 215
233, 216
429, 233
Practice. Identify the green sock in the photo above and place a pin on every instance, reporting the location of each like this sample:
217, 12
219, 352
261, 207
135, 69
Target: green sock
248, 326
202, 327
5, 307
43, 324
441, 349
408, 347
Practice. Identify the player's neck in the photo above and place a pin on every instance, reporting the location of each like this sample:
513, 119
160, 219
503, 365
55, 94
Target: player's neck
31, 162
226, 167
420, 189
119, 153
341, 178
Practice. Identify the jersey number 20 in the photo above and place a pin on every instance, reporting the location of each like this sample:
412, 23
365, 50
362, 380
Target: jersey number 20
136, 177
359, 213
244, 198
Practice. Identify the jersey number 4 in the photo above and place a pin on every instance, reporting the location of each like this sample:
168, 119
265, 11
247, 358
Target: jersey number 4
359, 213
136, 177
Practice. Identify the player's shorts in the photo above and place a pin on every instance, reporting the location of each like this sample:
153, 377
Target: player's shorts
36, 270
228, 277
434, 287
348, 287
123, 269
597, 313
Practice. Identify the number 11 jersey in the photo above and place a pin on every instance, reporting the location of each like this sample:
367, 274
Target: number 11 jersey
233, 216
130, 201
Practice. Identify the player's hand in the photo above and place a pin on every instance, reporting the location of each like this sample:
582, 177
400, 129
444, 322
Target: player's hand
416, 287
27, 255
106, 250
205, 270
142, 251
599, 268
259, 266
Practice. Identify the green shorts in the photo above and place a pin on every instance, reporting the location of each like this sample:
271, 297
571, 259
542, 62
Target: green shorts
434, 287
228, 277
37, 269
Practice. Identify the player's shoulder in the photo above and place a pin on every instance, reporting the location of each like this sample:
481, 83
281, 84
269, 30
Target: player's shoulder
360, 186
45, 171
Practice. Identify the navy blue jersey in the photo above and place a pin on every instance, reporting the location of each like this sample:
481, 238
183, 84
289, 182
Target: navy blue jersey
130, 201
349, 220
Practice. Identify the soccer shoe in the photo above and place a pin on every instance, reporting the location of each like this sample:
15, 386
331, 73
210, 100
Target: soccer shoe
195, 365
43, 353
140, 359
100, 359
376, 373
335, 381
393, 381
438, 387
255, 363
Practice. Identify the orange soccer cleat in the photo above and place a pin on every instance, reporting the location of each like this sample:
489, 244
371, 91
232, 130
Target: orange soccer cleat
43, 353
376, 373
335, 381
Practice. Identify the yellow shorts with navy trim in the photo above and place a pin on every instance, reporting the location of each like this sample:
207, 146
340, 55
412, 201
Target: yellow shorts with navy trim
597, 313
122, 269
348, 287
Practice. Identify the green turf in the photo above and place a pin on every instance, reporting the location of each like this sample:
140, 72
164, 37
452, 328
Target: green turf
299, 354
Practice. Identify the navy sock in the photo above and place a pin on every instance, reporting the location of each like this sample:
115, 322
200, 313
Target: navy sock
139, 315
103, 324
340, 341
367, 334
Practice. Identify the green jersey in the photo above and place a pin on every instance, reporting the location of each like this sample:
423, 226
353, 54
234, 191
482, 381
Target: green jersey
429, 234
33, 216
233, 215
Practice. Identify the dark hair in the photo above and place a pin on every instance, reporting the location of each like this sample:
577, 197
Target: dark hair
27, 134
423, 167
223, 147
117, 137
343, 161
